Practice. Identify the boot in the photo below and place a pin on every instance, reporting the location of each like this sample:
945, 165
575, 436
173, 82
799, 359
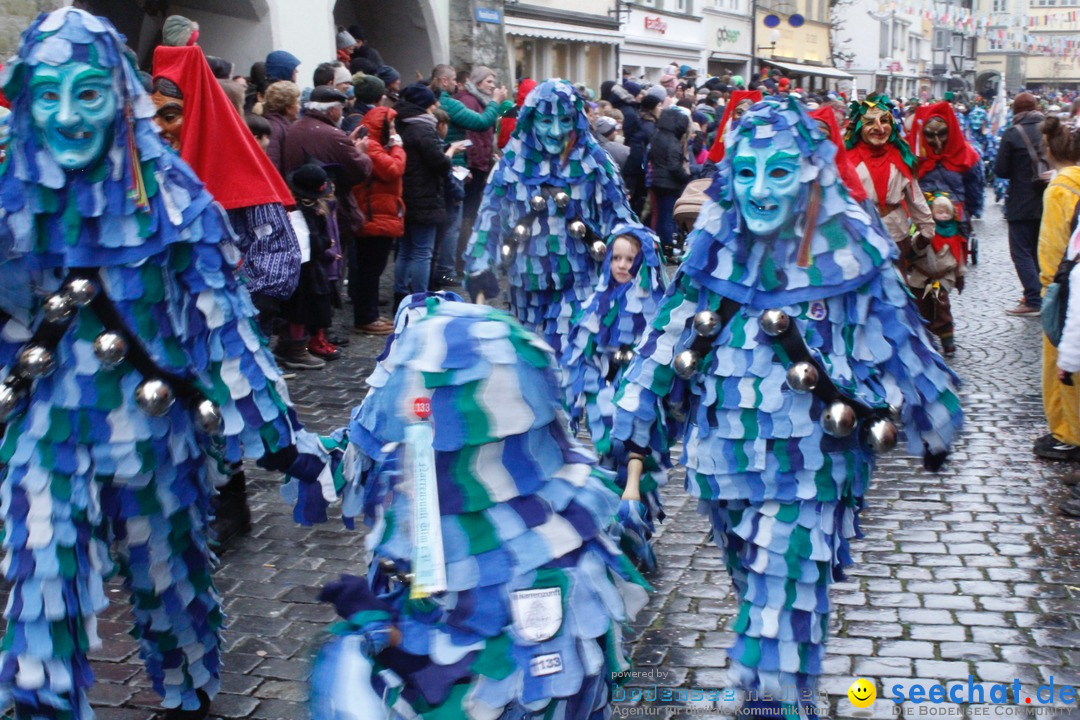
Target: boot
232, 516
320, 346
198, 714
295, 356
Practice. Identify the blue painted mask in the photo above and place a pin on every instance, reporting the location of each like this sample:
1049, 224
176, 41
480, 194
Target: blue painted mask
74, 107
766, 184
553, 128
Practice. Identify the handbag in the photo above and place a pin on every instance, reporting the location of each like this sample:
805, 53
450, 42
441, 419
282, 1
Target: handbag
1039, 165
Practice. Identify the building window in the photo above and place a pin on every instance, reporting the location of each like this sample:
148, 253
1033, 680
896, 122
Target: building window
1000, 6
883, 41
941, 39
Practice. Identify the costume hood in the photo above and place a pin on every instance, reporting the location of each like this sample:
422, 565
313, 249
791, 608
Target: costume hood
845, 246
214, 140
843, 162
958, 155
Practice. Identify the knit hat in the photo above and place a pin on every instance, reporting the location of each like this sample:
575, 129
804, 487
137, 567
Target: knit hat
388, 75
1023, 102
344, 39
280, 65
632, 87
368, 89
650, 101
357, 32
419, 94
606, 125
342, 75
310, 182
179, 31
657, 91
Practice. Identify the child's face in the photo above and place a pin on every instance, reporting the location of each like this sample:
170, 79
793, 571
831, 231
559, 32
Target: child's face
623, 254
441, 128
942, 211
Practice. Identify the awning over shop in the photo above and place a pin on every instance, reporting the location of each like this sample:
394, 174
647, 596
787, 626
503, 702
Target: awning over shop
800, 69
529, 27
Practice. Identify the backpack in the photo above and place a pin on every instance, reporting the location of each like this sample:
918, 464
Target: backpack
1055, 302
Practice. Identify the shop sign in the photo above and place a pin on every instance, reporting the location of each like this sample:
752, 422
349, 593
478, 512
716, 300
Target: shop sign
489, 15
727, 35
655, 24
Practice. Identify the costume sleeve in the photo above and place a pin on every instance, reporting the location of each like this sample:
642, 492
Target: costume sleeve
908, 371
975, 188
650, 379
465, 118
1058, 205
491, 225
918, 209
1068, 352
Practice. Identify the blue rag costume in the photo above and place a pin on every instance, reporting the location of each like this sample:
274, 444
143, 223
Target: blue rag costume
549, 270
530, 622
133, 373
601, 341
783, 495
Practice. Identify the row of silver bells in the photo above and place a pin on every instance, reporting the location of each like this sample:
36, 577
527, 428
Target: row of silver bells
839, 418
576, 229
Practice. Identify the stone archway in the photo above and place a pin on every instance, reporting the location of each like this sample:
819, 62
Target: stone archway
411, 35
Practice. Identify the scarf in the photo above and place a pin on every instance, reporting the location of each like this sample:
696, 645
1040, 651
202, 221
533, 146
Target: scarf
481, 98
877, 163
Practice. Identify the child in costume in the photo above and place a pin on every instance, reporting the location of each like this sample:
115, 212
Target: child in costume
494, 590
600, 346
789, 334
132, 368
937, 269
553, 196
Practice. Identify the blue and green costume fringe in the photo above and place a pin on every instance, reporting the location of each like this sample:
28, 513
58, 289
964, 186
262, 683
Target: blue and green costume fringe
522, 506
90, 483
784, 497
614, 319
549, 272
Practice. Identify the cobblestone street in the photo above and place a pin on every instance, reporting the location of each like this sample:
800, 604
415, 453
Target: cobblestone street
967, 572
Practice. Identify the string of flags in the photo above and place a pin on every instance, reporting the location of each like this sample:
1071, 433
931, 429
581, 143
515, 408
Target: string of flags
1005, 31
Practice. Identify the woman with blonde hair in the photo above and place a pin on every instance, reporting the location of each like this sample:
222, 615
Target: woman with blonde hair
281, 107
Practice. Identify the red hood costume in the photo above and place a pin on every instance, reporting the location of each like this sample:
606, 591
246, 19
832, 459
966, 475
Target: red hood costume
716, 152
844, 167
214, 140
509, 121
958, 156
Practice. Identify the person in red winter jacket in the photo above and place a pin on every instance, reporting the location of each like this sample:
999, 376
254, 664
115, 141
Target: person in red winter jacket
379, 198
509, 120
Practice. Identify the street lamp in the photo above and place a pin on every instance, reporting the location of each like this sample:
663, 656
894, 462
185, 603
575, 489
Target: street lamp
774, 37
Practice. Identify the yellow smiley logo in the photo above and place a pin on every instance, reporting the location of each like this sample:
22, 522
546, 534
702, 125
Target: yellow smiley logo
862, 693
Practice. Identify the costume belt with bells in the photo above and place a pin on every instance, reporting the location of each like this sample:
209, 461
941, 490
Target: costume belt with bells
157, 392
842, 414
575, 228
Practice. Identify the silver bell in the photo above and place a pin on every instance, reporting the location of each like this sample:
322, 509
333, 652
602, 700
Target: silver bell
685, 364
110, 348
81, 291
538, 203
802, 377
507, 251
576, 229
154, 397
9, 398
521, 233
36, 361
774, 322
598, 251
706, 323
623, 356
881, 435
208, 417
59, 308
561, 199
838, 419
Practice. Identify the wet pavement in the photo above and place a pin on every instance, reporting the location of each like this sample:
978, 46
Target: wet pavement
968, 572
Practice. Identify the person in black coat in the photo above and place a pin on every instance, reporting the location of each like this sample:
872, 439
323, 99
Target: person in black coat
667, 155
624, 98
1023, 204
426, 168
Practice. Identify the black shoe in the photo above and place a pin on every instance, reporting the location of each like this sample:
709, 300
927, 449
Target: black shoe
1060, 450
337, 340
198, 714
1070, 508
232, 516
447, 281
1046, 441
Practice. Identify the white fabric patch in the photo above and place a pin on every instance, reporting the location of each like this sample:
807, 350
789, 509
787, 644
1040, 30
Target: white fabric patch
537, 613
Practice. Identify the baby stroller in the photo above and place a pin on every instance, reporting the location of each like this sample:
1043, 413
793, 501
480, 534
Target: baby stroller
687, 208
